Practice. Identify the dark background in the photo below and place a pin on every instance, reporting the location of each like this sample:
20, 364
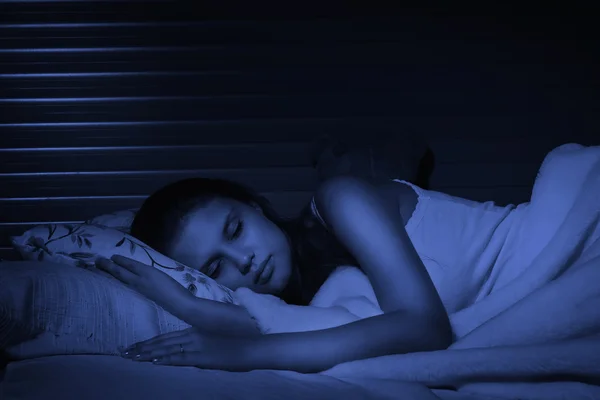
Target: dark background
103, 102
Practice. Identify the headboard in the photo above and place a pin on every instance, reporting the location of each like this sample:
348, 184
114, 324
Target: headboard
104, 102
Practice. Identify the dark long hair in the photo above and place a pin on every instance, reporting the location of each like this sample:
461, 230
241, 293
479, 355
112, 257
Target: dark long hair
158, 222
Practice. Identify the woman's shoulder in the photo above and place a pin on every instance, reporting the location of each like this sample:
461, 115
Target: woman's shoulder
398, 197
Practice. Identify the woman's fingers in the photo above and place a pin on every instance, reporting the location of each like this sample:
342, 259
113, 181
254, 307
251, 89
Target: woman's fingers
195, 359
168, 342
174, 337
116, 270
130, 264
129, 271
204, 359
200, 350
157, 352
160, 338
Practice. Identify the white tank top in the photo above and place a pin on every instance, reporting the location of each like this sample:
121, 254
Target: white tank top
458, 241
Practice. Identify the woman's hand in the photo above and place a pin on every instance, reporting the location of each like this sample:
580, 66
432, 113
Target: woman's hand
168, 293
148, 281
194, 348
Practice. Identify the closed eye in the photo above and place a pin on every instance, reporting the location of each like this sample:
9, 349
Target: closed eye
239, 227
234, 229
214, 269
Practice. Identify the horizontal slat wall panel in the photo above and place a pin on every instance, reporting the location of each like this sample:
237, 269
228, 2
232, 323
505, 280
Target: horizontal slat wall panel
196, 32
245, 156
499, 150
483, 175
258, 106
162, 28
266, 80
216, 56
152, 158
285, 179
82, 208
201, 132
194, 132
127, 183
103, 102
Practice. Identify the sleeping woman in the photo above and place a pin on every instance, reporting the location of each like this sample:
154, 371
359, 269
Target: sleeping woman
229, 233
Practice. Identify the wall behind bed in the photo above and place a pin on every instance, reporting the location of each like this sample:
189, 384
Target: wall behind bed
104, 102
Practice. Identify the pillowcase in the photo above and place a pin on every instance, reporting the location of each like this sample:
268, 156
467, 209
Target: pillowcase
48, 309
80, 245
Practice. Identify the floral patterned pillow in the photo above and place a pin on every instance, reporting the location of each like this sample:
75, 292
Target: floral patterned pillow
82, 244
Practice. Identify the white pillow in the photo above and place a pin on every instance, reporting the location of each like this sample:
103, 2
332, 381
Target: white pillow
61, 309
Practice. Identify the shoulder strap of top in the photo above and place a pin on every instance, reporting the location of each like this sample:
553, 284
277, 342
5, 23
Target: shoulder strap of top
315, 212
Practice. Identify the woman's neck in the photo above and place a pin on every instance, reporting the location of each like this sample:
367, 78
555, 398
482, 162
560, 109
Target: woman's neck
293, 293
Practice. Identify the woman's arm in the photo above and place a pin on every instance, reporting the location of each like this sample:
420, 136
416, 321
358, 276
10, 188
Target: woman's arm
215, 317
414, 319
308, 352
397, 332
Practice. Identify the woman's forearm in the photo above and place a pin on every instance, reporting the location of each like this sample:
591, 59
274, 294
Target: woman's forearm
392, 333
217, 317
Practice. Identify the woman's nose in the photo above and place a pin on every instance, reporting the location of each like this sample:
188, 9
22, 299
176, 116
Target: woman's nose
243, 259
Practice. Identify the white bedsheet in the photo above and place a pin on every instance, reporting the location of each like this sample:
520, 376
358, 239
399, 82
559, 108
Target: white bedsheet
101, 377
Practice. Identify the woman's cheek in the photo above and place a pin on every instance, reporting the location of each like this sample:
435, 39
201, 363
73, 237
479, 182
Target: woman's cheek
231, 278
282, 275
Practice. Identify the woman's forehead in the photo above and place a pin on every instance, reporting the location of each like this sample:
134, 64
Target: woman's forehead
201, 231
208, 216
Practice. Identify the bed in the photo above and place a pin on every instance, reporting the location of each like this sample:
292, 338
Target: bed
535, 336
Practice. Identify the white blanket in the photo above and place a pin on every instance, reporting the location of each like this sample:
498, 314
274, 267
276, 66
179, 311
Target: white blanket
541, 324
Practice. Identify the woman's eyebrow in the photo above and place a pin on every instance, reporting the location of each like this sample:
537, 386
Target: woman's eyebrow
227, 221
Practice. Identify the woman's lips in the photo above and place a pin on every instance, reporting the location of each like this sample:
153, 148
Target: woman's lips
263, 275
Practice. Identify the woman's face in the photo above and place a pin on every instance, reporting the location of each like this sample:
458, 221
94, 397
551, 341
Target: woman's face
236, 245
